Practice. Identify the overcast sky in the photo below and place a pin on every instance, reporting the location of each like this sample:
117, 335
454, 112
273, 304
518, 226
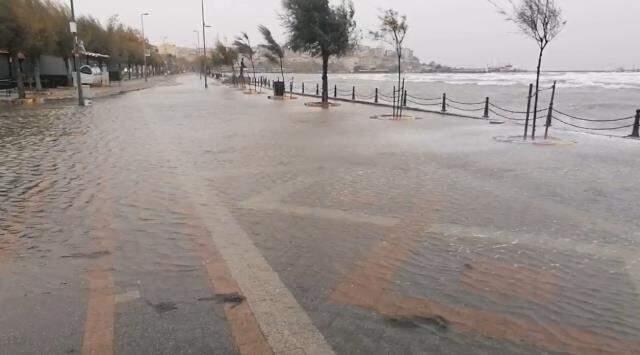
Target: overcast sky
600, 34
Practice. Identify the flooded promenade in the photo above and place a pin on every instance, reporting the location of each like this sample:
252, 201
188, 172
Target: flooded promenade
175, 220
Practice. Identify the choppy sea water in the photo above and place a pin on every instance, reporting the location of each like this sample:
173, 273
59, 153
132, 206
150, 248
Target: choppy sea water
589, 95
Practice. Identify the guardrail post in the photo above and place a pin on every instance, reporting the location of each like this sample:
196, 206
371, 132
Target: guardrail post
335, 91
636, 126
376, 99
317, 89
303, 88
486, 108
353, 94
526, 121
444, 102
550, 113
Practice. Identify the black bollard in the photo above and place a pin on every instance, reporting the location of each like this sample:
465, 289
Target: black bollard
526, 121
303, 88
353, 94
550, 112
486, 108
444, 102
335, 91
405, 98
376, 99
317, 89
636, 126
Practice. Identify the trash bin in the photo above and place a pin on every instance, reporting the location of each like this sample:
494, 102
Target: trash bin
278, 88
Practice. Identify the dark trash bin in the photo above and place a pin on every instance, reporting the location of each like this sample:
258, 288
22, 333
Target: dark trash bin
278, 88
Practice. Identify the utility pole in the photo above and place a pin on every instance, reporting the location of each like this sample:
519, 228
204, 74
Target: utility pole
144, 46
198, 50
204, 47
76, 57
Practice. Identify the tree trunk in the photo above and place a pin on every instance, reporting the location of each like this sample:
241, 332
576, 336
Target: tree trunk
67, 66
19, 78
36, 72
282, 69
535, 104
325, 78
396, 108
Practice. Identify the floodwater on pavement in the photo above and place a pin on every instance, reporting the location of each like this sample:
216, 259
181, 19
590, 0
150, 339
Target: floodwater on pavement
182, 221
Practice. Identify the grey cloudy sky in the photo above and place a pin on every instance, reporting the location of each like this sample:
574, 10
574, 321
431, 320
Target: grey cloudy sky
600, 34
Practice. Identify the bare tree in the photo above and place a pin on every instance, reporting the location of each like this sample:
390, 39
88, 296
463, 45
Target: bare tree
393, 30
540, 20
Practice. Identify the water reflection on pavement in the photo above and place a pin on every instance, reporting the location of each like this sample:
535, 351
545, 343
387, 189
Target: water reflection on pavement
177, 220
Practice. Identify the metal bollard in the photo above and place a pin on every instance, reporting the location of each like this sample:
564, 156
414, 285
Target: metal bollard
550, 112
405, 98
291, 87
486, 108
636, 126
353, 94
317, 89
303, 88
444, 102
335, 91
376, 100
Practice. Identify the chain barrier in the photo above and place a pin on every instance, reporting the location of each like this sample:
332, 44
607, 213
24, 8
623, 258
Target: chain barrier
465, 109
592, 128
592, 120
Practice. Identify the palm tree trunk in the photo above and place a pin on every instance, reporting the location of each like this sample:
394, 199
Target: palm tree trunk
535, 104
36, 72
325, 78
282, 69
19, 78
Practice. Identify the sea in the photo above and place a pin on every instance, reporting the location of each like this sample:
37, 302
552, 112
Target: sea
592, 100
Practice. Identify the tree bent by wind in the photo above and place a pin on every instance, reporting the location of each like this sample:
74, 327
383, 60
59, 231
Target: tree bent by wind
393, 30
542, 21
274, 53
322, 30
243, 46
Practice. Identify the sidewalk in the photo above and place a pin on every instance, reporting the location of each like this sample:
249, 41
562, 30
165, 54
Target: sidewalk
70, 93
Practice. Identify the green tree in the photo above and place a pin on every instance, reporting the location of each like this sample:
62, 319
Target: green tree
273, 50
393, 30
63, 46
322, 30
13, 37
224, 56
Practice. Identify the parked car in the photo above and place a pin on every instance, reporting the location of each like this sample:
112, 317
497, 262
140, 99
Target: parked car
90, 75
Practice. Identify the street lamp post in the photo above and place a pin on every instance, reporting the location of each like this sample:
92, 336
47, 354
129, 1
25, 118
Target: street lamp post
197, 50
204, 47
144, 46
76, 57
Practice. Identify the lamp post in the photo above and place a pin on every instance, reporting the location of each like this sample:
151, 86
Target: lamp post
144, 46
204, 47
74, 29
198, 49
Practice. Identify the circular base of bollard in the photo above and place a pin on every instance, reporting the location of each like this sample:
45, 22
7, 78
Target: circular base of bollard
321, 104
540, 141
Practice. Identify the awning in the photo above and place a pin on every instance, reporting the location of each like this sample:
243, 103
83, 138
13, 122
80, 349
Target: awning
94, 55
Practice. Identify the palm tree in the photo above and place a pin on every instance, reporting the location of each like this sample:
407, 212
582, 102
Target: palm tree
274, 51
243, 46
